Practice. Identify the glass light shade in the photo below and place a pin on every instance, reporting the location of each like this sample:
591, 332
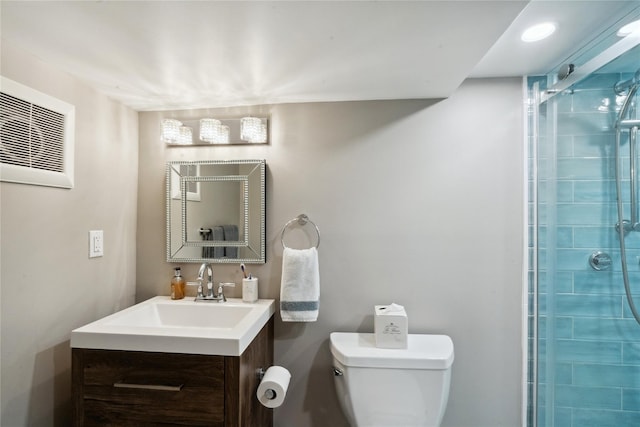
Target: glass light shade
185, 136
170, 131
213, 131
253, 130
262, 134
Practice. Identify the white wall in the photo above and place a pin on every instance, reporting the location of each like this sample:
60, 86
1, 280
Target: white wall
418, 202
49, 286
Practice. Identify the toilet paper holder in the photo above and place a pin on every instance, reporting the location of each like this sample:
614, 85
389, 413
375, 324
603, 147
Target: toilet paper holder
272, 388
260, 373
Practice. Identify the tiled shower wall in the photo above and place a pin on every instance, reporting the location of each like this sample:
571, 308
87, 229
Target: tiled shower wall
592, 359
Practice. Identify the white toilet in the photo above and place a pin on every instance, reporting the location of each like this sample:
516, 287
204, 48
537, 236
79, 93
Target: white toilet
392, 388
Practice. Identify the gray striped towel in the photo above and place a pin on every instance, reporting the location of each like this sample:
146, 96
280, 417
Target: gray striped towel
300, 286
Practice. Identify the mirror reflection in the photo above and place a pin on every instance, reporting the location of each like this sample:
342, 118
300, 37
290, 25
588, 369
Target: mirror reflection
215, 211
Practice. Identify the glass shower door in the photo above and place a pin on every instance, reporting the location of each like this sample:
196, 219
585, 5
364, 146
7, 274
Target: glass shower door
584, 342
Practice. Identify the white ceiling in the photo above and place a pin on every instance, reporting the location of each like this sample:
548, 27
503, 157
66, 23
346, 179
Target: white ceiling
158, 55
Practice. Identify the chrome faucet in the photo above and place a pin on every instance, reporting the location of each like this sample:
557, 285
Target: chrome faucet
205, 275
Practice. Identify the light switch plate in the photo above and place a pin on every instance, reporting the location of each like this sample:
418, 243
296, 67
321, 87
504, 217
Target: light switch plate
96, 243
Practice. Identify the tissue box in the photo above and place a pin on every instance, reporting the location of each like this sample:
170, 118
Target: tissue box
390, 326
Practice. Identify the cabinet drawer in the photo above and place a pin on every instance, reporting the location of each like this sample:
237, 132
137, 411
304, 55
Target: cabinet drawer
126, 388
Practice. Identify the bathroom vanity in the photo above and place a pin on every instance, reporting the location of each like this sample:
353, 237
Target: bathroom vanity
135, 387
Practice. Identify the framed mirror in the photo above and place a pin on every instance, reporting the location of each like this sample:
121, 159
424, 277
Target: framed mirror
216, 211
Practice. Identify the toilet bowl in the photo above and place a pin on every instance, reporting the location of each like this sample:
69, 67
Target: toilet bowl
379, 387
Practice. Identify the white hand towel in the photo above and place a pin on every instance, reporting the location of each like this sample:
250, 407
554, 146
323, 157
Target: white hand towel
300, 286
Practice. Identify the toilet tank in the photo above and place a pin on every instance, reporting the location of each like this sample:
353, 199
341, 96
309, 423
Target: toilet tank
392, 387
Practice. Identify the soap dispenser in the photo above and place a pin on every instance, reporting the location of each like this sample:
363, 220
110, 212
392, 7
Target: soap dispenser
177, 285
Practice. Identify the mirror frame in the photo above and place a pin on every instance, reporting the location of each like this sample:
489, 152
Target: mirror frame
259, 168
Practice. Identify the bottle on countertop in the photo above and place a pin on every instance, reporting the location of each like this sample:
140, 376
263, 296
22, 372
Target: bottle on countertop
177, 285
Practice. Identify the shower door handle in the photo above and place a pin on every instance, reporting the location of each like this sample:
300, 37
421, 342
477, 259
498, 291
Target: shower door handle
632, 175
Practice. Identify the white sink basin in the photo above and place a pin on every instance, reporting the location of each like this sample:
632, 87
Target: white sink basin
184, 326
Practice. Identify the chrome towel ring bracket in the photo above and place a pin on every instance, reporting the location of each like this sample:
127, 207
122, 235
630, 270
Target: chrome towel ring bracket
300, 220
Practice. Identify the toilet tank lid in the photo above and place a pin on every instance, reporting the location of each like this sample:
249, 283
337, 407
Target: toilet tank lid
423, 352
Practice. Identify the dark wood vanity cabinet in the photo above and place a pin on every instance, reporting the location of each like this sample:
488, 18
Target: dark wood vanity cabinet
132, 388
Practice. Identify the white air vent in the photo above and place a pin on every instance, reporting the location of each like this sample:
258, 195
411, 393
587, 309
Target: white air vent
36, 137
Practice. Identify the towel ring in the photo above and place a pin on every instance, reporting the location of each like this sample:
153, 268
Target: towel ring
301, 219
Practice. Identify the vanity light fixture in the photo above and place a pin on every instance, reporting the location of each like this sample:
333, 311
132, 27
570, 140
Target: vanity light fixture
213, 131
253, 130
630, 28
538, 32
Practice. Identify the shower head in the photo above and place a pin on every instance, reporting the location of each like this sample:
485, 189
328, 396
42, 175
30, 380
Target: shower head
621, 87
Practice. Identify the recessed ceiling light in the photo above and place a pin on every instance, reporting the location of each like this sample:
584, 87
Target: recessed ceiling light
538, 32
633, 27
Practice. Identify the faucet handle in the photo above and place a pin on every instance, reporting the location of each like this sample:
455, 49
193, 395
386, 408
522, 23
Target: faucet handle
197, 283
221, 287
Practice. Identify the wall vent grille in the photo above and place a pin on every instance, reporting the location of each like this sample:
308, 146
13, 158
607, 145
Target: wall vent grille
36, 137
30, 135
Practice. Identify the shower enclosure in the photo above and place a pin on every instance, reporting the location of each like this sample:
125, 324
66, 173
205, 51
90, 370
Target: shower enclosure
584, 243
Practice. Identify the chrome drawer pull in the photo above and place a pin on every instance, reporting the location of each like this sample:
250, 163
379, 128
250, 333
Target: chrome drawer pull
149, 386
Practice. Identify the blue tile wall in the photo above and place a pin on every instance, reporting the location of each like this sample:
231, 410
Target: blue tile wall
588, 344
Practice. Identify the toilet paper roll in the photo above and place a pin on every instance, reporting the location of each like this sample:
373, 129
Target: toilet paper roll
273, 387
